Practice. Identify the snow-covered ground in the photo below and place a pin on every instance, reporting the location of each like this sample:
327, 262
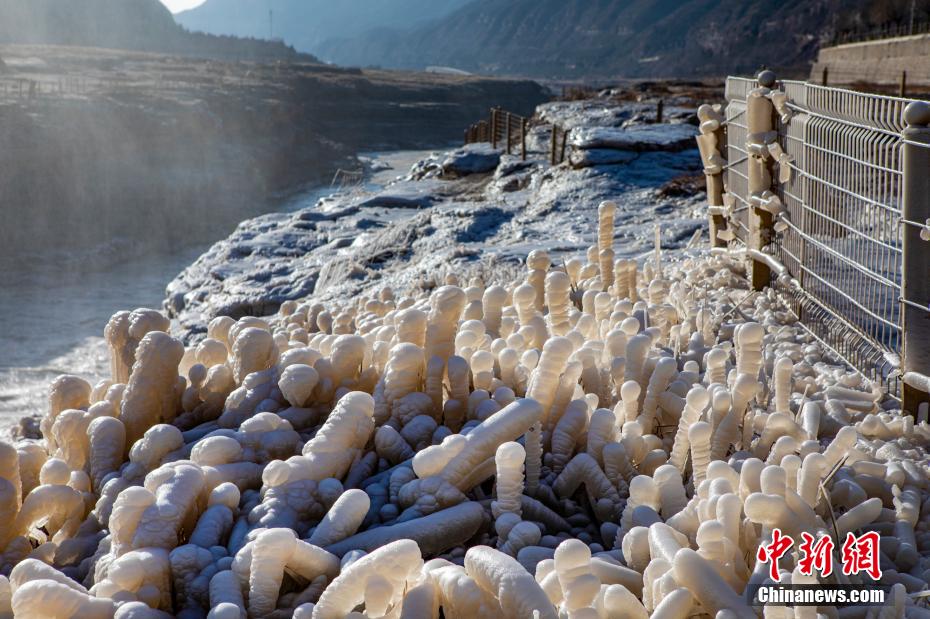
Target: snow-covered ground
466, 211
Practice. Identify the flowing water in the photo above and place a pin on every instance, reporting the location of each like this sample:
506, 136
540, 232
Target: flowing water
53, 311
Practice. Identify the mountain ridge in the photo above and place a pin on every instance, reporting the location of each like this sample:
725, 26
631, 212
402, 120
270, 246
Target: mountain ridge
561, 39
137, 25
306, 24
639, 38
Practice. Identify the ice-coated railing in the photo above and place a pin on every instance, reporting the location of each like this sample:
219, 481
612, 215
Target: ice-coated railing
856, 188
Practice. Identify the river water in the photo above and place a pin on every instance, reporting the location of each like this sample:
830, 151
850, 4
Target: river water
53, 311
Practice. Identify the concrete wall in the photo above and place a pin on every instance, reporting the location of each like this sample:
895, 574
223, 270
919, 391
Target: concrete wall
876, 62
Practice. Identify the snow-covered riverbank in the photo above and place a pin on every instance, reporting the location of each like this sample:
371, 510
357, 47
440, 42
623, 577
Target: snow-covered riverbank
467, 211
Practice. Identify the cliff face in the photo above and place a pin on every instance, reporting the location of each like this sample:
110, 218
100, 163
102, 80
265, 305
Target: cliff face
177, 148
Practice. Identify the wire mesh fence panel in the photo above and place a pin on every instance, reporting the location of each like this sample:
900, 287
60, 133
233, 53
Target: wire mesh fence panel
789, 247
737, 176
840, 239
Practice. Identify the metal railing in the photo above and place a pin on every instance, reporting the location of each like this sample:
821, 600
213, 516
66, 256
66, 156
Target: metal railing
886, 31
839, 230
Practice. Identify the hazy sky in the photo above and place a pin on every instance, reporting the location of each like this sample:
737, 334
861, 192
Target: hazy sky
179, 5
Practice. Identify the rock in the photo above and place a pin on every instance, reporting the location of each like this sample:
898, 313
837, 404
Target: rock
640, 138
511, 164
600, 156
471, 159
389, 201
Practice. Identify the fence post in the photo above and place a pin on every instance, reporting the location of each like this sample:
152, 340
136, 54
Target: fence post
553, 144
494, 127
523, 124
710, 143
660, 109
760, 116
903, 88
915, 283
824, 76
507, 122
564, 144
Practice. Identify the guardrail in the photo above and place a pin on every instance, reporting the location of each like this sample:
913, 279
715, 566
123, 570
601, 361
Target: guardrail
829, 190
886, 31
510, 130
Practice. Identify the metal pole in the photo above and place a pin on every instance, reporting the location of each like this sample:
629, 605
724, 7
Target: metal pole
915, 284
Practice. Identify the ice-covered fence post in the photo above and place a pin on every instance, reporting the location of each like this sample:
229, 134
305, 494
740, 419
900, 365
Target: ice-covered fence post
915, 282
710, 142
554, 144
523, 124
564, 145
760, 115
508, 121
494, 115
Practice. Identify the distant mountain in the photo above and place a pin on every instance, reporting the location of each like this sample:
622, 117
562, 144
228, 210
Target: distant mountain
143, 25
556, 38
306, 24
633, 38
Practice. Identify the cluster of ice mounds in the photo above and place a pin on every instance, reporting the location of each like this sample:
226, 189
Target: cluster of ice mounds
592, 440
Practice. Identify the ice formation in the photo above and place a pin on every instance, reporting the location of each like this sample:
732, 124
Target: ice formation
594, 439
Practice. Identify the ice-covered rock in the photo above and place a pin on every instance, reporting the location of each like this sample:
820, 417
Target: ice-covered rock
669, 137
600, 156
471, 159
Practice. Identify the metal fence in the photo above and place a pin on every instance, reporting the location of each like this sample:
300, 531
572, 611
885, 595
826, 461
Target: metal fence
885, 31
510, 130
839, 237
